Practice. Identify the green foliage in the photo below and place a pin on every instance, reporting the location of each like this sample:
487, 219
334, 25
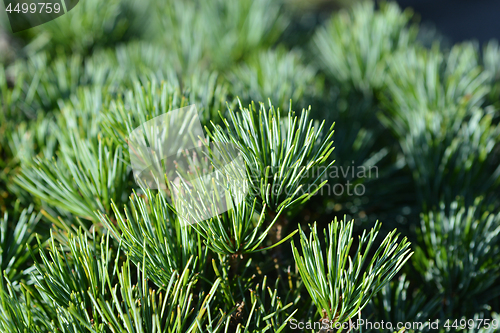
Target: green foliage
14, 237
285, 157
491, 56
11, 91
449, 156
239, 231
421, 79
45, 80
33, 138
265, 311
398, 303
432, 108
149, 226
218, 32
86, 177
344, 286
143, 103
51, 80
92, 24
115, 256
278, 75
454, 242
92, 292
353, 47
17, 313
140, 312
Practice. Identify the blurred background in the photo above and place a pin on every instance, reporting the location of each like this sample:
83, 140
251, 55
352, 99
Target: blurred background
454, 20
413, 88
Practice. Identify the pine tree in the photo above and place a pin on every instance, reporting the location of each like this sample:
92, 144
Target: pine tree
85, 246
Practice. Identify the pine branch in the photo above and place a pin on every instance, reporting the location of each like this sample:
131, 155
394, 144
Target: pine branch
262, 310
451, 156
422, 80
345, 285
91, 289
354, 45
18, 314
219, 33
92, 25
86, 177
277, 75
285, 157
239, 231
397, 302
145, 102
14, 238
151, 234
456, 241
